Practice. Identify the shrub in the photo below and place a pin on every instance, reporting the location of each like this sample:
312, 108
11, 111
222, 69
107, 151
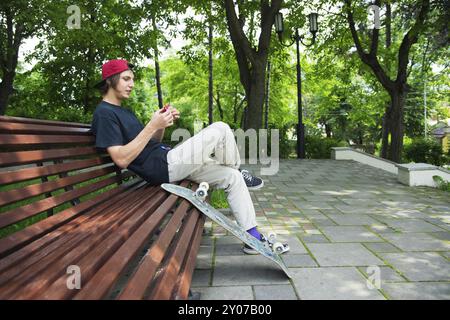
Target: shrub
426, 151
320, 148
441, 183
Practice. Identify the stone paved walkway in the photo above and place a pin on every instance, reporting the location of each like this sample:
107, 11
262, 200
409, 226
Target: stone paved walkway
346, 223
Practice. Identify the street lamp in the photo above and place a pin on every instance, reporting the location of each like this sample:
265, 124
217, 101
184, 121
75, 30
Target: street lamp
279, 27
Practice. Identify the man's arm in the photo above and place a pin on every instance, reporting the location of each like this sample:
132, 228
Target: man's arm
124, 155
158, 134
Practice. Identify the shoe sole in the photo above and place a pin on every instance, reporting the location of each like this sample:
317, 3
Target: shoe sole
256, 187
250, 251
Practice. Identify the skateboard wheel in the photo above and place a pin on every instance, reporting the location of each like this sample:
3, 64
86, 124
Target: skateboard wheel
278, 247
201, 193
271, 236
204, 185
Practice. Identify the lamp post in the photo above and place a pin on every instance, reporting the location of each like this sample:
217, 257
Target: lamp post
279, 27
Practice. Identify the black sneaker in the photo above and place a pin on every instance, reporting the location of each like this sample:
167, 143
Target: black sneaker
252, 182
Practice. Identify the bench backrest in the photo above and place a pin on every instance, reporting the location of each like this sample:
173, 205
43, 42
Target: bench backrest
48, 167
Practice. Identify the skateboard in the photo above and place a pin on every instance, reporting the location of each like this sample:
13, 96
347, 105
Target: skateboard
197, 198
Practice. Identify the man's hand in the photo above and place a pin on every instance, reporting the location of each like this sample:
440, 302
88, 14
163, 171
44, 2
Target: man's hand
161, 119
175, 113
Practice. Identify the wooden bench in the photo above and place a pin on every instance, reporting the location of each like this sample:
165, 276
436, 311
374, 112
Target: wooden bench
127, 239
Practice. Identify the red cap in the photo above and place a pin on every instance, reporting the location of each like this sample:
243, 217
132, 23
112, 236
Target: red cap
113, 67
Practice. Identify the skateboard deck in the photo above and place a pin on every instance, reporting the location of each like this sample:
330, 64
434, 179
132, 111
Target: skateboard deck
225, 222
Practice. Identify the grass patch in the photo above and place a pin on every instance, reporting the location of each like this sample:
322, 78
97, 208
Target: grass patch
441, 183
218, 199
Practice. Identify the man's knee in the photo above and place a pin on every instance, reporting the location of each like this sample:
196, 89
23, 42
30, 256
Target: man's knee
220, 125
232, 177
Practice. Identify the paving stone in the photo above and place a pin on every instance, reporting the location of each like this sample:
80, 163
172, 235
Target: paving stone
344, 208
350, 234
343, 254
387, 274
247, 270
409, 214
311, 212
207, 241
381, 247
278, 292
417, 242
420, 266
225, 293
411, 225
445, 235
231, 249
417, 291
314, 238
313, 231
316, 205
295, 245
349, 219
365, 213
201, 278
204, 257
298, 260
381, 229
324, 223
333, 284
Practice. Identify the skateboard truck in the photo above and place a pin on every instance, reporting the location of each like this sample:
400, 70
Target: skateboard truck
202, 191
277, 247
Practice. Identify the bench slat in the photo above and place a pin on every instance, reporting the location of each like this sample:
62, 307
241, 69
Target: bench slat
107, 248
167, 279
96, 258
37, 232
185, 278
15, 215
24, 157
24, 174
21, 128
137, 285
103, 234
72, 246
40, 121
33, 139
103, 281
7, 197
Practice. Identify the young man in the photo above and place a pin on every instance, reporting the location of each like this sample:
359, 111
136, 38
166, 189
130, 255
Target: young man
211, 155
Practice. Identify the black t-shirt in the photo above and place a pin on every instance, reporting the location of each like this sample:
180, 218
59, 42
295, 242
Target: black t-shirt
113, 125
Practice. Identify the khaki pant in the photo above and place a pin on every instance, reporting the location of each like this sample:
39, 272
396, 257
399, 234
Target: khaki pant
212, 156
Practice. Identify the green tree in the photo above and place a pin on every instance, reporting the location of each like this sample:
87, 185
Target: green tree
19, 20
251, 59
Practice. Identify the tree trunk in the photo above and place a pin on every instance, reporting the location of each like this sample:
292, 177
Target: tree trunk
397, 126
157, 71
210, 70
219, 106
393, 121
266, 115
387, 113
328, 130
9, 53
385, 132
87, 90
6, 89
255, 96
252, 60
